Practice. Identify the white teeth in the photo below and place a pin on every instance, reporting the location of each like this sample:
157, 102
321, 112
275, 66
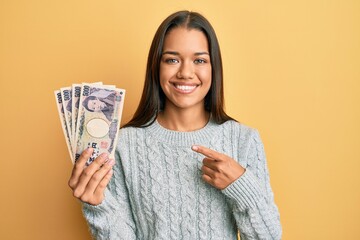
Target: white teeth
185, 87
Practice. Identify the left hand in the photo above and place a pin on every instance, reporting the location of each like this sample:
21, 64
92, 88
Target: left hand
219, 170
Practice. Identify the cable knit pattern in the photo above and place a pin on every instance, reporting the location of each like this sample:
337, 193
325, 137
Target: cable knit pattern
172, 188
144, 178
203, 214
157, 191
156, 175
187, 191
218, 201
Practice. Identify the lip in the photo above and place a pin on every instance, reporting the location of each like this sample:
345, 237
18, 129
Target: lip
184, 88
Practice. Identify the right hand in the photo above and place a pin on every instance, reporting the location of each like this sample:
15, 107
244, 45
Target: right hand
89, 182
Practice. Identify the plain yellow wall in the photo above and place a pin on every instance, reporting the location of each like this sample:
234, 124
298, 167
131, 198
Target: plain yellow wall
292, 70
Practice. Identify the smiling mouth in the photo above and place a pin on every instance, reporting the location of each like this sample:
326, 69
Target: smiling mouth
185, 88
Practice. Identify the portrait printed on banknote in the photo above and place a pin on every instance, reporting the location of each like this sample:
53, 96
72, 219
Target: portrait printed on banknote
101, 100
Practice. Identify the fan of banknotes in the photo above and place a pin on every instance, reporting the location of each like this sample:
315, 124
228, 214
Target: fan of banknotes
90, 115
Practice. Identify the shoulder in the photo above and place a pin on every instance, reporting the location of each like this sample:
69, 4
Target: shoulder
126, 141
126, 133
245, 139
130, 135
240, 130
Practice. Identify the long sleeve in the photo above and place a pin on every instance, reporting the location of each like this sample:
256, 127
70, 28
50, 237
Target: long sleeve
252, 199
112, 219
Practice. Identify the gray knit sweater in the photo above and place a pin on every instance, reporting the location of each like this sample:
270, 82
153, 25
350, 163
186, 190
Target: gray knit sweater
157, 192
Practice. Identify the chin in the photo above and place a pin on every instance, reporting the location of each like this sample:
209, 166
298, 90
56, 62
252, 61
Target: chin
187, 105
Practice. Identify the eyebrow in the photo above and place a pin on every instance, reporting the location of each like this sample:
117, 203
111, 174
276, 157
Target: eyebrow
177, 54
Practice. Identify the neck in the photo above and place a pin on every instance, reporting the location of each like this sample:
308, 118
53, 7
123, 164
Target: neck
183, 120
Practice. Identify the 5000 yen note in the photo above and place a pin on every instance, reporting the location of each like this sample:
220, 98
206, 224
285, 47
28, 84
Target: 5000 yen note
61, 112
100, 110
66, 97
76, 91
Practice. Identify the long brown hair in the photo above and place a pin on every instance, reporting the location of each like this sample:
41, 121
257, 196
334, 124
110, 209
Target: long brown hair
153, 98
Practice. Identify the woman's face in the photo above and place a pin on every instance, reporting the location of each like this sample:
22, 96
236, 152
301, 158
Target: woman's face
96, 105
185, 68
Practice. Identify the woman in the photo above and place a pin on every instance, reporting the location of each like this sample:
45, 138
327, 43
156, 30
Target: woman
184, 169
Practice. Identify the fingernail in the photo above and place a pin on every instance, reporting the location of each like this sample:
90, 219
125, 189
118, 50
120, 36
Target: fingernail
89, 150
194, 147
111, 162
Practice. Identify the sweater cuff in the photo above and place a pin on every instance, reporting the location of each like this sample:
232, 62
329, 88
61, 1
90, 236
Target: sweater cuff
245, 191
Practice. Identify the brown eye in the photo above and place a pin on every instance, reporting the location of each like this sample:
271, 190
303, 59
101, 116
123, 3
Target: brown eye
200, 61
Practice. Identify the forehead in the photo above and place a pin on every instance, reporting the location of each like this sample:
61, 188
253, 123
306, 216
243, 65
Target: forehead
181, 38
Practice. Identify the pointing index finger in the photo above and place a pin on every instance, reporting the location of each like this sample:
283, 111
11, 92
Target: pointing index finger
207, 152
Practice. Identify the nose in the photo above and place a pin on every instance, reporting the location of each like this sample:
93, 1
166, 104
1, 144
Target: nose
186, 71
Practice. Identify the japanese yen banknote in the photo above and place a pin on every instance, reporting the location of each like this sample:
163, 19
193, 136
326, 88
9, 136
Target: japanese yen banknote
90, 116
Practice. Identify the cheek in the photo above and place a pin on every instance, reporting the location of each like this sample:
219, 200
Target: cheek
161, 76
165, 74
205, 76
162, 82
164, 70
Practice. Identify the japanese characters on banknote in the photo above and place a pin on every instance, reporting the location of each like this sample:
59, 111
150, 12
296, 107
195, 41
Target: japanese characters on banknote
90, 116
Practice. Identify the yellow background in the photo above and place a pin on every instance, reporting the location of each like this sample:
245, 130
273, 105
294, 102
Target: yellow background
292, 70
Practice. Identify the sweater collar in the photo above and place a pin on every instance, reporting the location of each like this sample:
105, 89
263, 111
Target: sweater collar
200, 136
